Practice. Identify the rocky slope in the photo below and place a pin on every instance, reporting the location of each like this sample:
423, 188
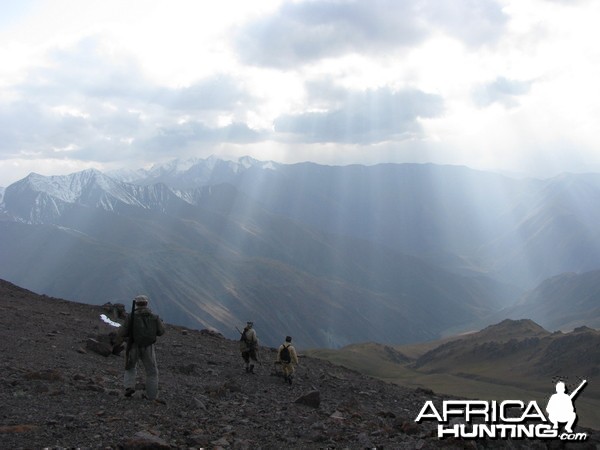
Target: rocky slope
57, 392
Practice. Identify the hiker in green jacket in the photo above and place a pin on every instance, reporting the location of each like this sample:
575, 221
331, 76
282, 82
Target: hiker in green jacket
288, 358
141, 331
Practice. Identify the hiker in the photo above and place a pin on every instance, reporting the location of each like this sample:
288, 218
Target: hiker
140, 347
560, 408
288, 358
249, 346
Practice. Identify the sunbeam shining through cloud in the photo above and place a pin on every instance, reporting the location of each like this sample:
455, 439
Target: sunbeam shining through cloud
501, 85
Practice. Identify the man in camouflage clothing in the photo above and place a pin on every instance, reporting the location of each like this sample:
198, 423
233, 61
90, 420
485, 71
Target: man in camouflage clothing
141, 346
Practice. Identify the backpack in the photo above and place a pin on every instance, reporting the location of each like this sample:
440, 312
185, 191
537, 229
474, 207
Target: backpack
145, 328
284, 354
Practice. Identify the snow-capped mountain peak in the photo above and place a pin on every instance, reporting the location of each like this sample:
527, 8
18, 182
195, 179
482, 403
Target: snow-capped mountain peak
246, 162
69, 188
38, 198
195, 172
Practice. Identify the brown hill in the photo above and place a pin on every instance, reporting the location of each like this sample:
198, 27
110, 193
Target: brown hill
515, 349
512, 359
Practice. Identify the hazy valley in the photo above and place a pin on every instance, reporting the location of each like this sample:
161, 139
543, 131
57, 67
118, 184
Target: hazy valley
333, 255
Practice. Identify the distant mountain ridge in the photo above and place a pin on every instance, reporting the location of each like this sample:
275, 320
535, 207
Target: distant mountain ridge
193, 173
462, 220
39, 199
566, 301
522, 347
154, 189
389, 253
509, 359
520, 231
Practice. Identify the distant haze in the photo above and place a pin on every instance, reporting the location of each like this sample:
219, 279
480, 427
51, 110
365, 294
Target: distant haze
333, 255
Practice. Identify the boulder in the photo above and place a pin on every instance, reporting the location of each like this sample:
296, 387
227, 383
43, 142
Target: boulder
312, 399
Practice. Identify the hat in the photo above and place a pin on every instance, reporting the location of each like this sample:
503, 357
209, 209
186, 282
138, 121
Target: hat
141, 300
250, 324
288, 339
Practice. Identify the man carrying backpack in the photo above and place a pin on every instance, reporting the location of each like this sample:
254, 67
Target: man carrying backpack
141, 330
249, 346
288, 358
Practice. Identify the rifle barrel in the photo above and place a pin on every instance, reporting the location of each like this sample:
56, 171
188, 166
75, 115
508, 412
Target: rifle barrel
130, 333
574, 393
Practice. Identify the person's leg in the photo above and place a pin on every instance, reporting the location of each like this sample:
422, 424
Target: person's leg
288, 372
572, 419
130, 371
253, 356
148, 356
246, 356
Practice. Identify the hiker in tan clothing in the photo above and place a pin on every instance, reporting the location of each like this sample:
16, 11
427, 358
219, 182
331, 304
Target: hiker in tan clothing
249, 346
288, 358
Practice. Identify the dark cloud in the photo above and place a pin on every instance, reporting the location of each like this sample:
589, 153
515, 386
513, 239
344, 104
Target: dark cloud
307, 31
15, 132
90, 104
364, 117
502, 91
32, 130
25, 126
194, 134
28, 130
89, 71
86, 71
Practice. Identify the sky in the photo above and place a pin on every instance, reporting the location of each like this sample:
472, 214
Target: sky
501, 85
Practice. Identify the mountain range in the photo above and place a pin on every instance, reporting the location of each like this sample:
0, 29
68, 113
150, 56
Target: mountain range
393, 253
